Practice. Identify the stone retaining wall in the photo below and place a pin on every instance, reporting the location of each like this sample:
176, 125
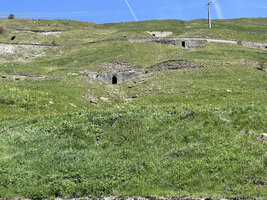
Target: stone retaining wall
254, 45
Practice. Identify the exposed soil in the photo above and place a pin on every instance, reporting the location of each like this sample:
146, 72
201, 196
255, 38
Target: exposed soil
159, 33
117, 65
50, 32
25, 44
173, 64
24, 75
26, 52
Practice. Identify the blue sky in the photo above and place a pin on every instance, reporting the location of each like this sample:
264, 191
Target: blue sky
102, 11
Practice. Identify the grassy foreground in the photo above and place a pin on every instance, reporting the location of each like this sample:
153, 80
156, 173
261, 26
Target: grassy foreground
147, 151
184, 136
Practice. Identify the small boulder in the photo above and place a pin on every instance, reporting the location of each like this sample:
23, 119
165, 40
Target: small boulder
264, 136
131, 86
135, 96
260, 182
247, 132
93, 101
106, 100
262, 68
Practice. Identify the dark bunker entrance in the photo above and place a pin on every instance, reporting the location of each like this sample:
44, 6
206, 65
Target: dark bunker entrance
114, 80
183, 43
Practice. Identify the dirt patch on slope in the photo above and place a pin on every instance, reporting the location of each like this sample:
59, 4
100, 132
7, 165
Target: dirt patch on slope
172, 64
4, 75
117, 66
21, 52
159, 33
51, 32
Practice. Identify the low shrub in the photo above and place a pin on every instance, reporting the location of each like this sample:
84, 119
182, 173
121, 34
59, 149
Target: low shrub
11, 16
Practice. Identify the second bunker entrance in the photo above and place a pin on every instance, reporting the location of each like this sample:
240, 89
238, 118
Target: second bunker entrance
114, 80
183, 44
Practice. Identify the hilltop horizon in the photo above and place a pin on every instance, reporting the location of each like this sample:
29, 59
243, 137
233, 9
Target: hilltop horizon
104, 11
116, 22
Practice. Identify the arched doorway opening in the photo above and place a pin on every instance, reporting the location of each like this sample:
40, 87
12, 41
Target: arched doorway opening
114, 80
183, 44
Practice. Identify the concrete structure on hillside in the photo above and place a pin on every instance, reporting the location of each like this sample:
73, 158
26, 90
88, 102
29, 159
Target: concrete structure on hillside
183, 42
120, 77
195, 42
117, 77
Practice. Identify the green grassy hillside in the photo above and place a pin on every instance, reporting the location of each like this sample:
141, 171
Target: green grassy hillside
253, 29
74, 32
191, 132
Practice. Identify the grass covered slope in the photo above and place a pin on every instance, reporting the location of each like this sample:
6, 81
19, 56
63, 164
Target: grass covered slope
206, 88
184, 136
144, 151
252, 29
191, 132
247, 29
144, 55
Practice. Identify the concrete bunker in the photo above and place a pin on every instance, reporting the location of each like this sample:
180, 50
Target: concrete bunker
182, 42
253, 44
118, 77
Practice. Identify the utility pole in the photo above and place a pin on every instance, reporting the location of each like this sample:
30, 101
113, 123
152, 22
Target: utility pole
209, 15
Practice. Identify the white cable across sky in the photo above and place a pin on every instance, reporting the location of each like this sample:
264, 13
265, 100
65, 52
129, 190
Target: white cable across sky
219, 11
126, 1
